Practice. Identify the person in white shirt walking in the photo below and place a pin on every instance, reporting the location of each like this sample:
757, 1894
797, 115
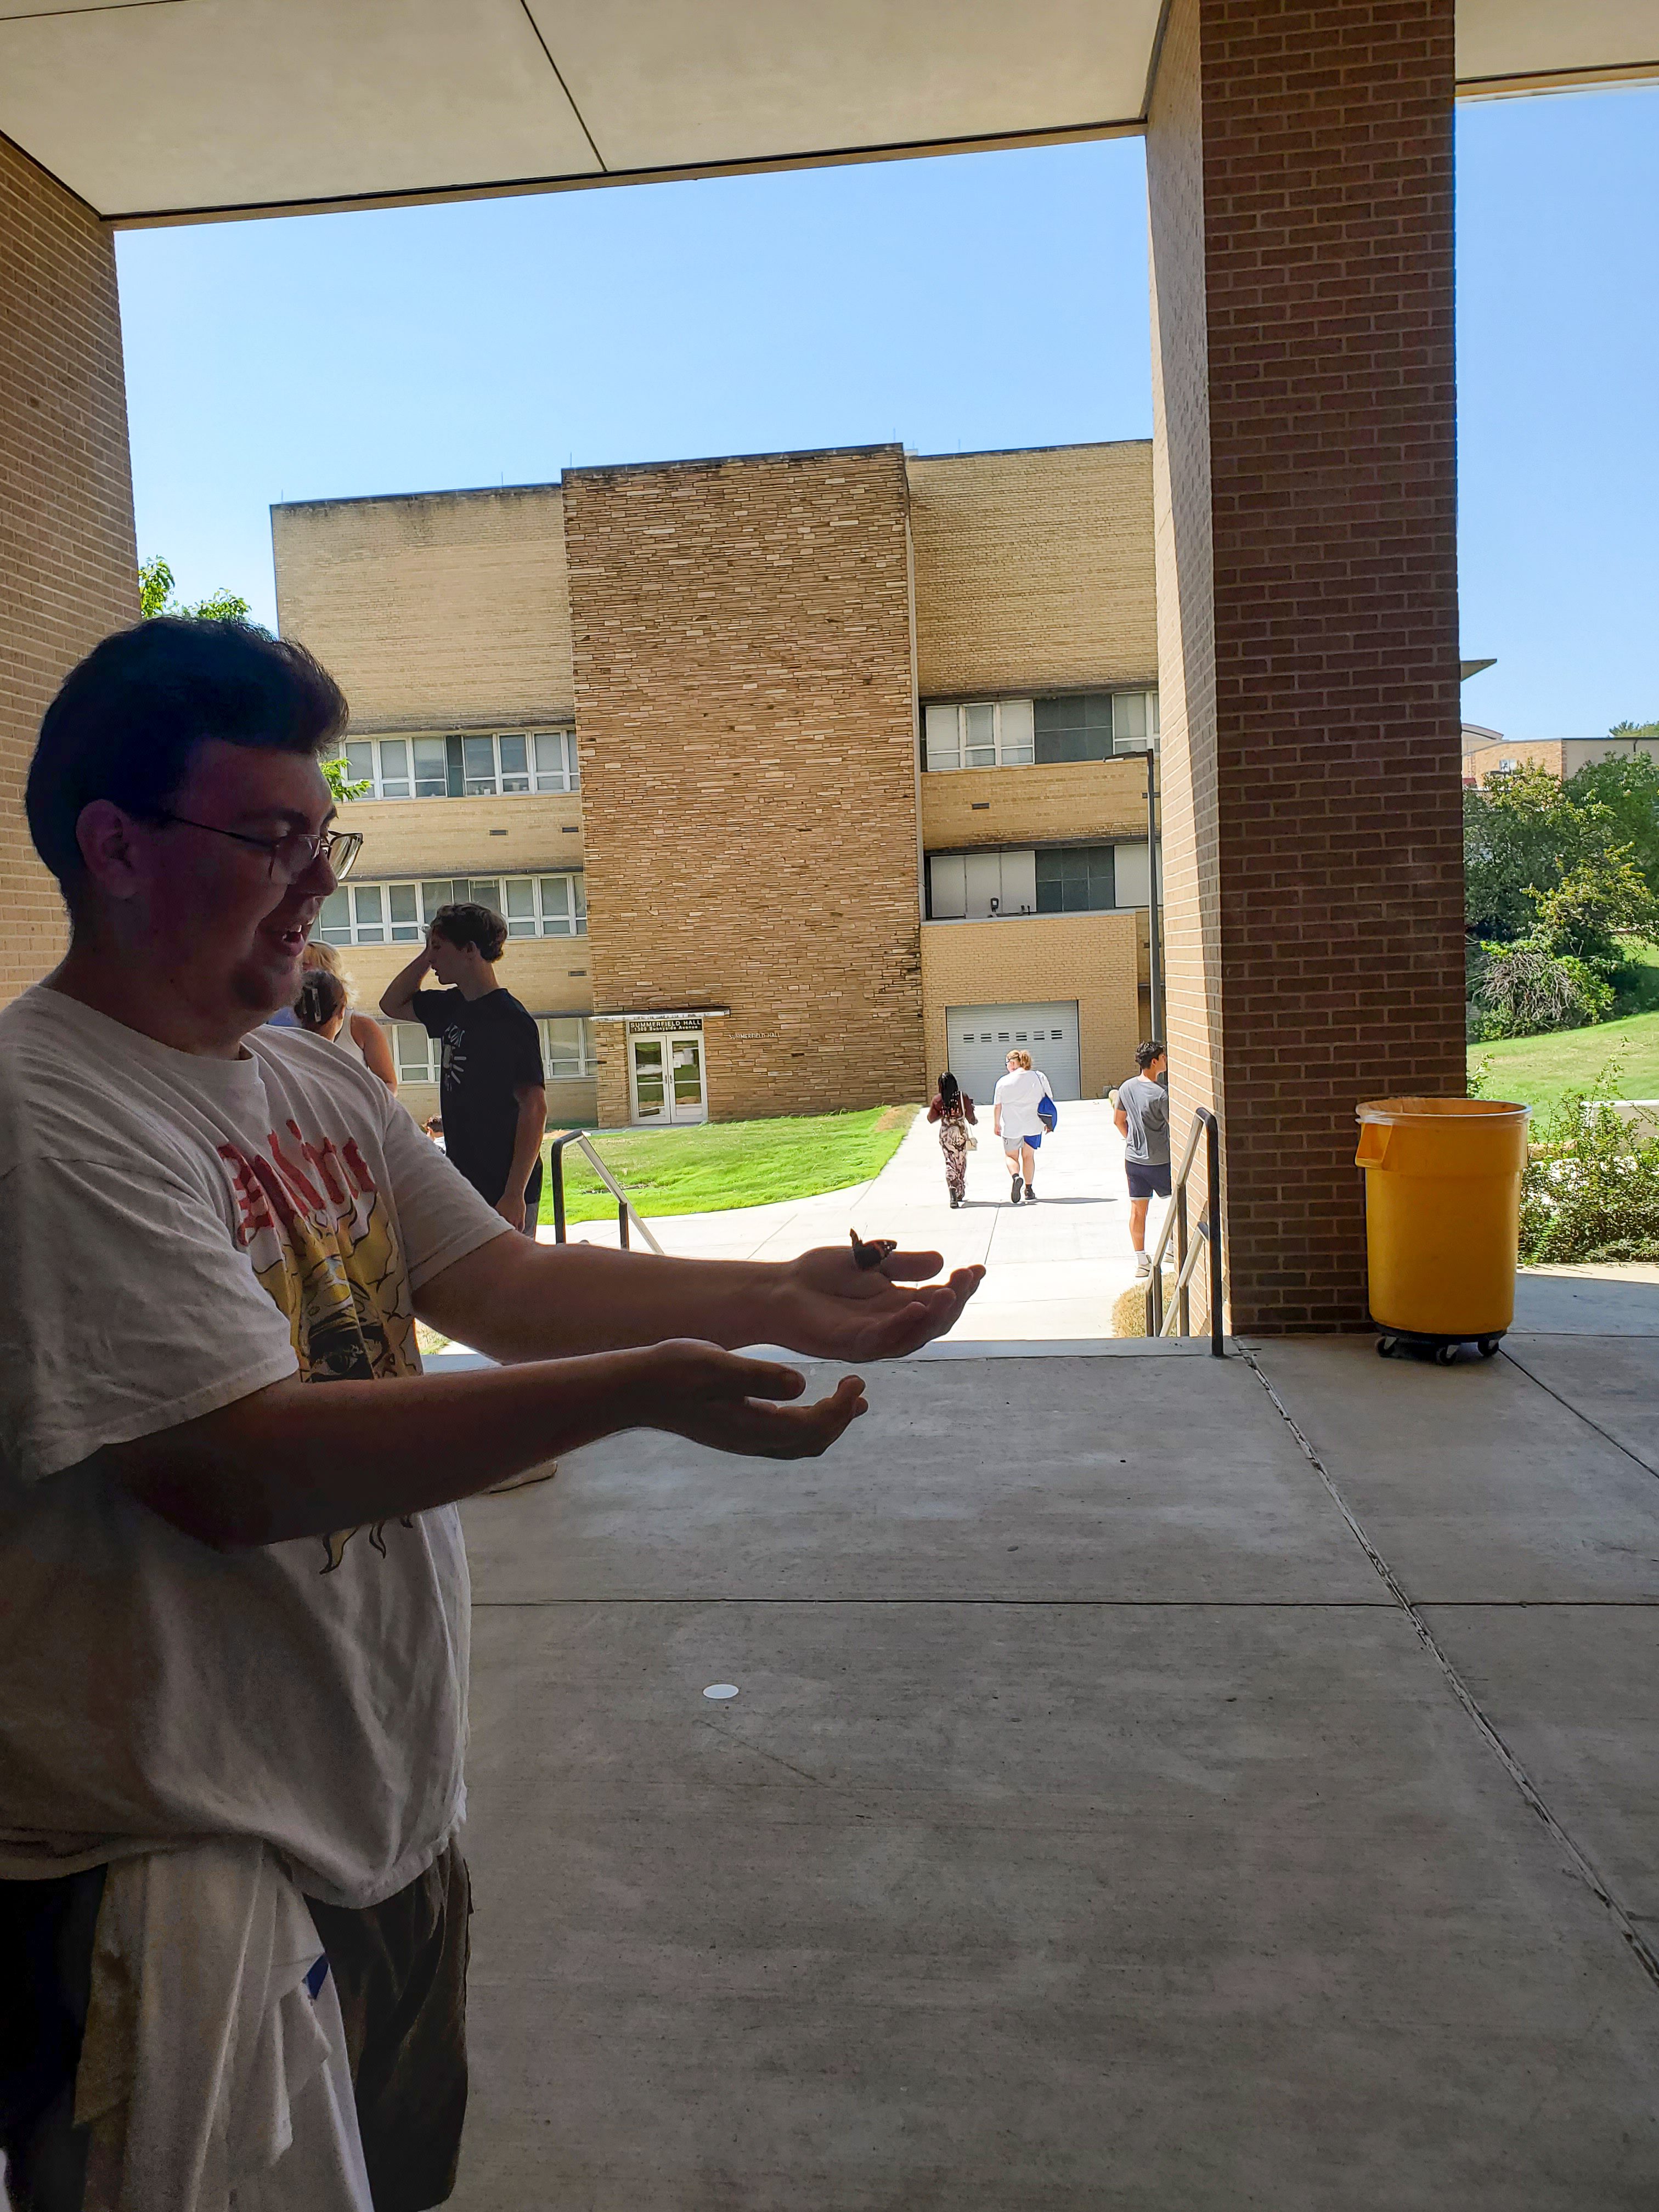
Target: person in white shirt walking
1015, 1119
1143, 1122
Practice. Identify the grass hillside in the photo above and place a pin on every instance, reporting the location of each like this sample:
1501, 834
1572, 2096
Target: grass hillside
1536, 1070
721, 1165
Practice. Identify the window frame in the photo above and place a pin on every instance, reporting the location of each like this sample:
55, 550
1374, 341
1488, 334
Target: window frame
1125, 744
538, 783
1011, 748
558, 781
377, 778
414, 932
418, 1056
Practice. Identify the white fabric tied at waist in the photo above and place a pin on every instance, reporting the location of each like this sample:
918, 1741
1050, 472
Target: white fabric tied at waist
214, 2072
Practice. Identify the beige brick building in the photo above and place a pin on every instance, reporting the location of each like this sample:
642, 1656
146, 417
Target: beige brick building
798, 776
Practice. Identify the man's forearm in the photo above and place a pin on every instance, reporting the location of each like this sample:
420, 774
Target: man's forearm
395, 999
516, 1301
526, 1141
304, 1459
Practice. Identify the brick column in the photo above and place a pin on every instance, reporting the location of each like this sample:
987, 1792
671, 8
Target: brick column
745, 705
1300, 172
66, 536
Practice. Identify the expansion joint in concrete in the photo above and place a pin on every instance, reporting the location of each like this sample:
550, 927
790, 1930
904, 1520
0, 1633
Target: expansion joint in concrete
1638, 1943
1579, 1414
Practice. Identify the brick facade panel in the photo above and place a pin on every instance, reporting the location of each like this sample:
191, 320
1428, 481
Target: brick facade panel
745, 713
1034, 569
67, 549
519, 836
1093, 958
1076, 800
450, 604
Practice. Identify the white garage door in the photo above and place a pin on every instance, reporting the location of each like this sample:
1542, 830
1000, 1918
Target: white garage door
980, 1039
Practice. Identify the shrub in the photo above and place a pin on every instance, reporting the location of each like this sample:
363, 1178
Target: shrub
1591, 1190
1526, 988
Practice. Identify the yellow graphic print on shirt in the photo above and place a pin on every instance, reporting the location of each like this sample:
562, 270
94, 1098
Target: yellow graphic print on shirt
320, 1237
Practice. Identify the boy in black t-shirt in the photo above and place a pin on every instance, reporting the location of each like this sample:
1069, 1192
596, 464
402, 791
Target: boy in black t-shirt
495, 1103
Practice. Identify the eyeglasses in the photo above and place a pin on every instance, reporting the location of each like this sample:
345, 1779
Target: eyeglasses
291, 856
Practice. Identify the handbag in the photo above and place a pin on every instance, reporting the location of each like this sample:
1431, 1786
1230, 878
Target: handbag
1047, 1113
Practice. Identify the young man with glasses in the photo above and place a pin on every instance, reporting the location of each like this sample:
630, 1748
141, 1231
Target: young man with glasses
236, 1607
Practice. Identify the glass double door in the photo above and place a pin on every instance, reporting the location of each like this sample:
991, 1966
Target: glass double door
665, 1079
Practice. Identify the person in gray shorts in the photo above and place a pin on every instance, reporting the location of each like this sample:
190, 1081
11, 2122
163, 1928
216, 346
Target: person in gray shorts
1143, 1122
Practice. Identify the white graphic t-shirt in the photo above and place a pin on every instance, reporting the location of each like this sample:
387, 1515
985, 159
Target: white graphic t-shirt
175, 1233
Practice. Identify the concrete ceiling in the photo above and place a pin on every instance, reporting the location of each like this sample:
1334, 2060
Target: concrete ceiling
159, 109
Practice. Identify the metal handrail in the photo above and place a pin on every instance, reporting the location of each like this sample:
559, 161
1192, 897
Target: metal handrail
1207, 1237
626, 1209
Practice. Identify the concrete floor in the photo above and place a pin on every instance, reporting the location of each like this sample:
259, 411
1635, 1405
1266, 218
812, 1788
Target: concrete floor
1096, 1824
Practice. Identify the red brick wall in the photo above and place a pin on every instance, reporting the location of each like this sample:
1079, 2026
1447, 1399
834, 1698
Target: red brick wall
1310, 148
68, 567
745, 711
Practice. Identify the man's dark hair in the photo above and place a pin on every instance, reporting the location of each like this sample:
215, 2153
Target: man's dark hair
465, 924
125, 722
1147, 1053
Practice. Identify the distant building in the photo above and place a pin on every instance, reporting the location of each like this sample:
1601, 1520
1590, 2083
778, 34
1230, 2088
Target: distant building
1562, 756
796, 776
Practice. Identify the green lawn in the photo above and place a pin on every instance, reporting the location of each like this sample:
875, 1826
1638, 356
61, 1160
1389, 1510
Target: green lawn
1536, 1070
728, 1163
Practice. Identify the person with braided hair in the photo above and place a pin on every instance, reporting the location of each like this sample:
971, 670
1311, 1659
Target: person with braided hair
953, 1109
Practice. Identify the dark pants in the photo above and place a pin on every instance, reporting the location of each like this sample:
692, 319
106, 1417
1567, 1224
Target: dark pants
399, 1969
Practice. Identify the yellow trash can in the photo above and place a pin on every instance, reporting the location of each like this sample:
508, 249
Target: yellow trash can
1443, 1217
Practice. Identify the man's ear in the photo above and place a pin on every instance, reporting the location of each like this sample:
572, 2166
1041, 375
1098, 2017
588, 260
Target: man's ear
105, 836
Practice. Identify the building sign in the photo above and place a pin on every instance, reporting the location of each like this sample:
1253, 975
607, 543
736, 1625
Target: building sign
661, 1025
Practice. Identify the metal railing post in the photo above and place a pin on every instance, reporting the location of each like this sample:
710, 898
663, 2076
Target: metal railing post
555, 1164
1212, 1166
1208, 1226
622, 1223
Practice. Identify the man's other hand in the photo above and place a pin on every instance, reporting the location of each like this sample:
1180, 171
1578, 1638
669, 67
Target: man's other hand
828, 1307
713, 1397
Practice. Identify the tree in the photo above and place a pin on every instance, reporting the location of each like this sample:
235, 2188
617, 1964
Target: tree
157, 587
1522, 833
338, 783
1629, 789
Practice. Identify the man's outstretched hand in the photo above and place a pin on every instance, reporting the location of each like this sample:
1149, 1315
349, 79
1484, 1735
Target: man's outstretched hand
717, 1397
827, 1307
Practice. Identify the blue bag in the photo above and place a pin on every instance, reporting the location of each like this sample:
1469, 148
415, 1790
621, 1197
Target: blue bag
1047, 1113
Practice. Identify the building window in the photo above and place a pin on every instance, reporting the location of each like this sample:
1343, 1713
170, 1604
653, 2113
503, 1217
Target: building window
567, 1047
1076, 879
397, 914
400, 768
418, 1056
1001, 886
990, 733
1091, 726
512, 764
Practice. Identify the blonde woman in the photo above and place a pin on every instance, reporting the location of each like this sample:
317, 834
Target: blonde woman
359, 1037
1014, 1117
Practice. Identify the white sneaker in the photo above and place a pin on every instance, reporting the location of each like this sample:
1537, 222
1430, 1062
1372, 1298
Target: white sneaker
1143, 1266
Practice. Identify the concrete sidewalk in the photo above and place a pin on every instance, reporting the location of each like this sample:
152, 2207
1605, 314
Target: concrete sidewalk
1054, 1267
1153, 1782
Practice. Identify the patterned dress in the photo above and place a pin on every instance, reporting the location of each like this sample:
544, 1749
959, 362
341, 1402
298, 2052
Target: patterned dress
953, 1139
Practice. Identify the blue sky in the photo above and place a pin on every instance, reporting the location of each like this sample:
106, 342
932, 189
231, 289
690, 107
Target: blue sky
986, 299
